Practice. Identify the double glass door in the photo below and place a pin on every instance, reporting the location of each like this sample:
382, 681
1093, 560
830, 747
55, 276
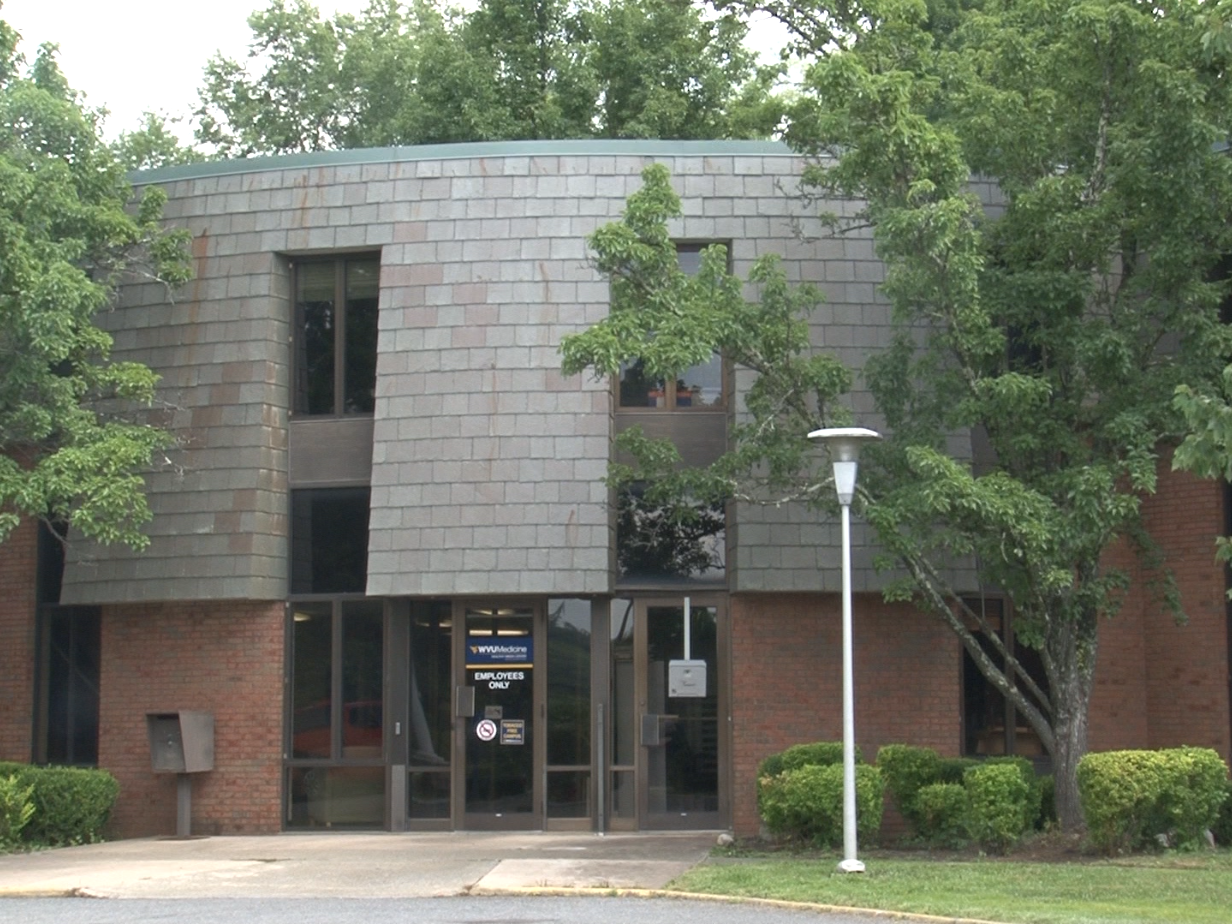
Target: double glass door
559, 714
519, 742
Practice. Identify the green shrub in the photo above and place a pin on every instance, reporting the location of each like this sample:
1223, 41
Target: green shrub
1222, 829
942, 808
1196, 788
15, 810
1031, 808
906, 770
815, 754
71, 804
952, 769
1131, 797
998, 805
807, 803
771, 766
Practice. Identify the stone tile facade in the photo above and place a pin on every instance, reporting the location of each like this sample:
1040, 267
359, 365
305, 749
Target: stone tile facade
487, 463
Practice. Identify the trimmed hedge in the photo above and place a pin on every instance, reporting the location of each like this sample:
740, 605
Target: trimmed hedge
71, 804
807, 803
813, 754
1129, 798
999, 805
907, 770
1034, 799
942, 812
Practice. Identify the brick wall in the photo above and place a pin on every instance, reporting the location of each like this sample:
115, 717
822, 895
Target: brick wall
1187, 665
18, 554
1160, 683
221, 657
787, 681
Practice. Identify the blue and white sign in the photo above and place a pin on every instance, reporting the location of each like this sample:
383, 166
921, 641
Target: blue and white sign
507, 652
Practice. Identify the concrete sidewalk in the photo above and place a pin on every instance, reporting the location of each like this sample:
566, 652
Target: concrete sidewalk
354, 865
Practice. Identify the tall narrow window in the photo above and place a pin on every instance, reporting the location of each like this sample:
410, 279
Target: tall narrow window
699, 386
336, 326
336, 773
568, 709
69, 642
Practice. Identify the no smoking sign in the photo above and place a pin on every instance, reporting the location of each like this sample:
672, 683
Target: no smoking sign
485, 730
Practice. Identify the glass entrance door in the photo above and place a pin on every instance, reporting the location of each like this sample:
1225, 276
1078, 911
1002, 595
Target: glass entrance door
668, 696
501, 777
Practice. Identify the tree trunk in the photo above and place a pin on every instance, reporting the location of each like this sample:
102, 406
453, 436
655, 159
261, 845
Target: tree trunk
1071, 648
1069, 745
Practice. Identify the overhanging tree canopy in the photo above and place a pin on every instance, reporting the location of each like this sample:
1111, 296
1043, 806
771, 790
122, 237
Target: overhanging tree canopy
67, 452
1053, 322
423, 73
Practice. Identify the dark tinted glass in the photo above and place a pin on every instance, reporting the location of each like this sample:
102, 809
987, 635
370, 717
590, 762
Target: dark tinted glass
363, 653
73, 638
568, 709
359, 370
315, 337
312, 646
329, 540
653, 546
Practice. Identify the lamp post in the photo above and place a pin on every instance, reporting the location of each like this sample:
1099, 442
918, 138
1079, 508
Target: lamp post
844, 446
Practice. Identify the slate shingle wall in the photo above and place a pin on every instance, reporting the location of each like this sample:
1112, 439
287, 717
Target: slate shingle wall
487, 463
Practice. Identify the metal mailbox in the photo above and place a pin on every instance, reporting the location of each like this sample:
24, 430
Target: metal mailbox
181, 742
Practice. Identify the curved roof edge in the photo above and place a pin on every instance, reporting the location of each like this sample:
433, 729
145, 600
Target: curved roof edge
578, 147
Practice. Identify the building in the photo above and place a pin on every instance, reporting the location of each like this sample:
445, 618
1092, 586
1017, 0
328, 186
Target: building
384, 558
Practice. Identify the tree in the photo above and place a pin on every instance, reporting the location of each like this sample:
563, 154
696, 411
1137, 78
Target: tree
508, 69
68, 453
663, 320
663, 70
153, 144
1054, 322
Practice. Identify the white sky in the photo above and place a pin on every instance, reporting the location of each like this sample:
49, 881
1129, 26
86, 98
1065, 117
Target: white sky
133, 56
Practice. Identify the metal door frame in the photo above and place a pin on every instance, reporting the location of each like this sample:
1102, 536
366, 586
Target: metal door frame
645, 820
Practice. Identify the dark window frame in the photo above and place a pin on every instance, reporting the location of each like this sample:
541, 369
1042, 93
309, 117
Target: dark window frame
1003, 726
343, 404
669, 399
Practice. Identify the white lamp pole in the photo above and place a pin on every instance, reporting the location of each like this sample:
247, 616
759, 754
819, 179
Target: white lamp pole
844, 445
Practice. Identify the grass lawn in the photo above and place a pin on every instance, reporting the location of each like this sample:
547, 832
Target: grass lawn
1190, 888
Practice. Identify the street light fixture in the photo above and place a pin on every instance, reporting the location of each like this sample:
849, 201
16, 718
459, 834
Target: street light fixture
844, 446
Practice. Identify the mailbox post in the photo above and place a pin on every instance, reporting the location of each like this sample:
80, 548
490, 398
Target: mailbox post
181, 743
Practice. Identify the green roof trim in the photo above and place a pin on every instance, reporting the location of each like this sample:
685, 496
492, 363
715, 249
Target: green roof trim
360, 156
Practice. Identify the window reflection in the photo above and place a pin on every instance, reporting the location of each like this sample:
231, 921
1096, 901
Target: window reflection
336, 305
699, 386
654, 543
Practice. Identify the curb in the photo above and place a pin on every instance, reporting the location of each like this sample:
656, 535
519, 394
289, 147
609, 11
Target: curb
621, 892
18, 892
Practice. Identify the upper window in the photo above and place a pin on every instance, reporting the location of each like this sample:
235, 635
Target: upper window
699, 386
335, 335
